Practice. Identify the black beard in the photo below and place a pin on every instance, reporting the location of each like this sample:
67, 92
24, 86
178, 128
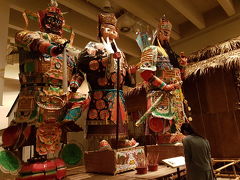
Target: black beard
165, 44
171, 54
53, 30
52, 24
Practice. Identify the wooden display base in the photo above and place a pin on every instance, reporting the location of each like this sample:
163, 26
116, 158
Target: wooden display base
165, 151
163, 173
113, 161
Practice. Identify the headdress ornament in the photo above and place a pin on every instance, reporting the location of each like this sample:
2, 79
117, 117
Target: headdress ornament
107, 18
50, 10
53, 8
164, 24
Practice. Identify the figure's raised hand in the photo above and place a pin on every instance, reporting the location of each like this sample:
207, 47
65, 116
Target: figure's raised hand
133, 69
115, 44
171, 87
107, 45
59, 48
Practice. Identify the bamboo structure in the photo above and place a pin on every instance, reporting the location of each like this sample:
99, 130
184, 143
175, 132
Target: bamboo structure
219, 172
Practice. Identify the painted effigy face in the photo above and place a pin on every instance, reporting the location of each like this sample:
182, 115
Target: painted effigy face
164, 29
52, 23
164, 34
108, 30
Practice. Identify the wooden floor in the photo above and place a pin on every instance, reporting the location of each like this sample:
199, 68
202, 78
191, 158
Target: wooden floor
80, 174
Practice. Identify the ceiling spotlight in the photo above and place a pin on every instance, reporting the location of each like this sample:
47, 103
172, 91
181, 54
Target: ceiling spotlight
106, 6
125, 29
125, 23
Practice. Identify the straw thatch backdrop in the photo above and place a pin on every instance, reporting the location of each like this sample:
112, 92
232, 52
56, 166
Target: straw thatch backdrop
226, 55
212, 90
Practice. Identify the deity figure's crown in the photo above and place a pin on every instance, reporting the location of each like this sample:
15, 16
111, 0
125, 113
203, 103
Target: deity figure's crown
107, 18
52, 8
164, 24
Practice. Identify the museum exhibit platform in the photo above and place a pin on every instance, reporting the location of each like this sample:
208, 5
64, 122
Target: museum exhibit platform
163, 172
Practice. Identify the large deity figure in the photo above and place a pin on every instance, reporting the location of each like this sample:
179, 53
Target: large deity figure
99, 62
162, 69
42, 102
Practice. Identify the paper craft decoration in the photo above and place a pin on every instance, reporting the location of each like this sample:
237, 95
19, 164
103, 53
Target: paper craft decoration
142, 40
